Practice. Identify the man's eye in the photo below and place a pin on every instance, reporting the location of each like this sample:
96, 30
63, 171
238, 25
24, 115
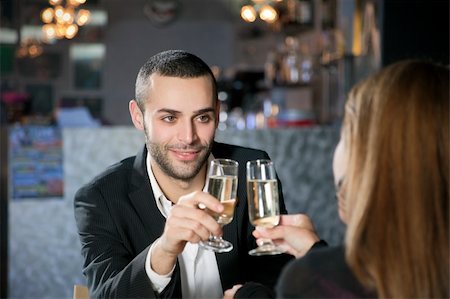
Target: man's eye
169, 118
204, 118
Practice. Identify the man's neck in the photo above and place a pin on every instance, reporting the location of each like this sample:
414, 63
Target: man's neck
173, 188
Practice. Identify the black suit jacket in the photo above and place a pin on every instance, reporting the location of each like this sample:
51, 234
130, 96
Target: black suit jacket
118, 220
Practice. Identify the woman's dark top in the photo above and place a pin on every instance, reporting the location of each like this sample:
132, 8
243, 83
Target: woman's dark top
322, 273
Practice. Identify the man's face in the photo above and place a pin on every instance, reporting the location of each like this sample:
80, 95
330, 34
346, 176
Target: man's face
179, 123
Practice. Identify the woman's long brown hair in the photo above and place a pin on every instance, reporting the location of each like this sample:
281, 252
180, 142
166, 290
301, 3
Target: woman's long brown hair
396, 131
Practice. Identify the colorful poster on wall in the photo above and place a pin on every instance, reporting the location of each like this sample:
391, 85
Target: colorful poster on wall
36, 162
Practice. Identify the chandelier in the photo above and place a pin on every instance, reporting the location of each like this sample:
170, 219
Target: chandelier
262, 8
62, 21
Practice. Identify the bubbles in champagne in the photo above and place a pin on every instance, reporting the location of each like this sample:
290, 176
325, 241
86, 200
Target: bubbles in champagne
224, 189
263, 202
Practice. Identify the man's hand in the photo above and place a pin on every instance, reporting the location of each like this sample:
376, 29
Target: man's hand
186, 223
295, 233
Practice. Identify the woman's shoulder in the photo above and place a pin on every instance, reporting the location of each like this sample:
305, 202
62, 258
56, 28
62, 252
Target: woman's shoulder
322, 273
317, 264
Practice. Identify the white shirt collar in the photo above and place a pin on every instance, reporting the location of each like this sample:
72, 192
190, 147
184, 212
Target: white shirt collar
164, 205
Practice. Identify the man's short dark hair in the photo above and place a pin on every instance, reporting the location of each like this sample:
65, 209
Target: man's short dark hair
171, 63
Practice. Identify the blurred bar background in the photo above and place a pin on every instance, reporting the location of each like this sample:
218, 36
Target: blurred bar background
284, 67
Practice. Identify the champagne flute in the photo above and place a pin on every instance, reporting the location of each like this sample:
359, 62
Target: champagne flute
222, 183
263, 207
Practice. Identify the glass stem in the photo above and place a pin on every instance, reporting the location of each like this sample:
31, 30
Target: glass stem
265, 242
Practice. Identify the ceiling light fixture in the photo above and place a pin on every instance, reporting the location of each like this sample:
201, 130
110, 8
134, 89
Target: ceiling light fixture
262, 8
63, 21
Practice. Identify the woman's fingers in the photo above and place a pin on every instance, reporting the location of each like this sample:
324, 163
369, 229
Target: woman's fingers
229, 294
295, 233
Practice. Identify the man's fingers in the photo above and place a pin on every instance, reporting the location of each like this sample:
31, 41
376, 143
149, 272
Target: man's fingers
188, 223
201, 200
185, 229
194, 219
195, 214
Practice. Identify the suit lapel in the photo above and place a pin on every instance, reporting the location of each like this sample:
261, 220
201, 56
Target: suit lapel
142, 198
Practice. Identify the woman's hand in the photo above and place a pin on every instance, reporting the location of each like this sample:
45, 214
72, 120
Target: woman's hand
295, 233
229, 294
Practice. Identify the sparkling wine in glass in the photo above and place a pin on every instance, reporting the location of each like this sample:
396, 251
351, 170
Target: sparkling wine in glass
263, 207
222, 184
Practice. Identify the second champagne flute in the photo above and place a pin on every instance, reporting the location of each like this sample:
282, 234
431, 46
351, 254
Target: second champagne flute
222, 183
263, 206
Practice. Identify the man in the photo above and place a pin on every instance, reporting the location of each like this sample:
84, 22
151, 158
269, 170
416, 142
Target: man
139, 221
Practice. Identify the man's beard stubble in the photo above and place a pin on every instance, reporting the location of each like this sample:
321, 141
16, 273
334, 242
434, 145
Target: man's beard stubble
158, 153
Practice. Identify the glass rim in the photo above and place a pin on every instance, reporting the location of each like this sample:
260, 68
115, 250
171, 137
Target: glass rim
225, 162
260, 162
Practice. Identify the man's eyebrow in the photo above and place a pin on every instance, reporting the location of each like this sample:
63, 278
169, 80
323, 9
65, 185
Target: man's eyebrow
167, 110
196, 112
205, 110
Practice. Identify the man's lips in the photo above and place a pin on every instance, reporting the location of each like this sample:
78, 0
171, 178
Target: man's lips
185, 155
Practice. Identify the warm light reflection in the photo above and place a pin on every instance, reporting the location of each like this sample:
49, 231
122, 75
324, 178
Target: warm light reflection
83, 17
265, 9
59, 12
49, 30
34, 50
47, 15
71, 31
60, 31
248, 13
29, 48
68, 16
268, 14
75, 3
55, 2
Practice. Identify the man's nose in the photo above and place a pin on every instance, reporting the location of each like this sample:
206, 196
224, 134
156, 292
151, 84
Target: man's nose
187, 132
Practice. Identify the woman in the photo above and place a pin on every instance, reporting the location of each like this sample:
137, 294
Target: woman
392, 169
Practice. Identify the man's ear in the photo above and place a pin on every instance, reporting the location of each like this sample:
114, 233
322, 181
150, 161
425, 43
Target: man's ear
136, 115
